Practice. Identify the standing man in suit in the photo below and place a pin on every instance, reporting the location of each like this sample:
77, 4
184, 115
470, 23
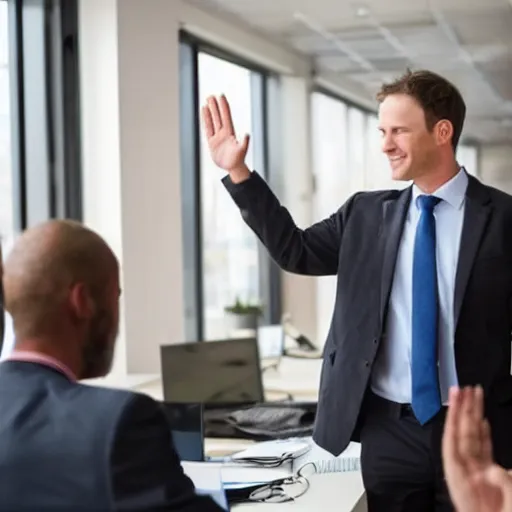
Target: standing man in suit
424, 291
64, 445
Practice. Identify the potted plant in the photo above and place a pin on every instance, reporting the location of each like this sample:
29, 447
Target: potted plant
243, 315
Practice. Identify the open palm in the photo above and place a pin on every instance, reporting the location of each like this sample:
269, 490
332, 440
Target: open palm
227, 152
467, 456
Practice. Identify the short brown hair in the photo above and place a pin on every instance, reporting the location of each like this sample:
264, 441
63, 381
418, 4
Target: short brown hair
438, 98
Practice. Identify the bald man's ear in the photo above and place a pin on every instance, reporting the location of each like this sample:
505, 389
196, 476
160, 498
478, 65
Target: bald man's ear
81, 301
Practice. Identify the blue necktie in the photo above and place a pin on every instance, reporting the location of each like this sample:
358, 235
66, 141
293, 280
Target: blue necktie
426, 399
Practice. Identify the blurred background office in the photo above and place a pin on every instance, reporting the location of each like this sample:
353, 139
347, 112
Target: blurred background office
99, 121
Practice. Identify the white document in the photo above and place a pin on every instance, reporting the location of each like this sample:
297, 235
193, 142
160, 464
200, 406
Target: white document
325, 462
273, 451
238, 475
207, 480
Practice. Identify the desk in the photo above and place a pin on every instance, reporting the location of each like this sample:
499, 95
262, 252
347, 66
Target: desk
333, 492
218, 447
132, 381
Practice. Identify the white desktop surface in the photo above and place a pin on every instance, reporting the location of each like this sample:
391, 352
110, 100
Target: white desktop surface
332, 492
134, 381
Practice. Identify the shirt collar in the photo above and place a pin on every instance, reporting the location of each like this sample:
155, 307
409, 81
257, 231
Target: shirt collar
42, 359
453, 192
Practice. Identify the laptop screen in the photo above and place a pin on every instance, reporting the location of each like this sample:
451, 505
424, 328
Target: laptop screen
212, 372
186, 423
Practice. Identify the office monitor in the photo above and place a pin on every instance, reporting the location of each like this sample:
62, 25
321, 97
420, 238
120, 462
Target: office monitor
212, 372
186, 425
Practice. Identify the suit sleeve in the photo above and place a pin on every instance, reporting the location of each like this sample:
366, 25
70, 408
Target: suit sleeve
146, 470
313, 251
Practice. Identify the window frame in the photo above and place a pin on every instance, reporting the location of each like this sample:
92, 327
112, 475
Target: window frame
265, 99
45, 110
17, 110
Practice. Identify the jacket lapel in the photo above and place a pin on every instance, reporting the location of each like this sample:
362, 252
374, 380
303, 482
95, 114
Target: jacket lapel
476, 215
394, 212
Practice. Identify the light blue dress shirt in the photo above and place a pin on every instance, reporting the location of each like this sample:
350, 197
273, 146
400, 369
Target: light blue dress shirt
391, 376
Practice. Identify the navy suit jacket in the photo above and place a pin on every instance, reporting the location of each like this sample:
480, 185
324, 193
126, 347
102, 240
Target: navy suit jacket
69, 446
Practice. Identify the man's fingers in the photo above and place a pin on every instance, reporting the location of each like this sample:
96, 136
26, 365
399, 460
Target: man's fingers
478, 404
245, 143
207, 122
225, 115
450, 439
214, 111
485, 434
470, 446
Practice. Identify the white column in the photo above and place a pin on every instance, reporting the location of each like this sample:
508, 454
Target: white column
129, 53
299, 293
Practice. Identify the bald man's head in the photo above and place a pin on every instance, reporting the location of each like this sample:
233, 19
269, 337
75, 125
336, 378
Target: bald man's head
59, 276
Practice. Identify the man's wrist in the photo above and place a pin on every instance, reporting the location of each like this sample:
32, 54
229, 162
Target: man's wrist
239, 174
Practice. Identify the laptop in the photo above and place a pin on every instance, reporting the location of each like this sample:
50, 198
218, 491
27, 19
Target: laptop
217, 372
186, 424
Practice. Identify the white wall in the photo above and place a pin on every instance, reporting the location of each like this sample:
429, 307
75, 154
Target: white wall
496, 166
130, 120
100, 132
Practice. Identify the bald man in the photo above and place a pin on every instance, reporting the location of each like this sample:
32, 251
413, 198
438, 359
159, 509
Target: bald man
64, 445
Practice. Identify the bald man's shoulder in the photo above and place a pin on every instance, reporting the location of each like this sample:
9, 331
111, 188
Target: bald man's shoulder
144, 462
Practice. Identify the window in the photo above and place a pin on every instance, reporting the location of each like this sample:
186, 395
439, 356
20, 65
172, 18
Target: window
347, 158
332, 182
6, 172
329, 149
230, 251
222, 259
378, 174
44, 105
357, 148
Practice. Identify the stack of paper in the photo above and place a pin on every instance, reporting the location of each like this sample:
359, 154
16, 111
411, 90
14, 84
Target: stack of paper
263, 463
236, 476
325, 462
272, 453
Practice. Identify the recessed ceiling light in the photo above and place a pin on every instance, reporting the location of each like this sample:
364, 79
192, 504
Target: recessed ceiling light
360, 10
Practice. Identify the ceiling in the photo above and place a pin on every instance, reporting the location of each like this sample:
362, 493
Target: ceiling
467, 41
